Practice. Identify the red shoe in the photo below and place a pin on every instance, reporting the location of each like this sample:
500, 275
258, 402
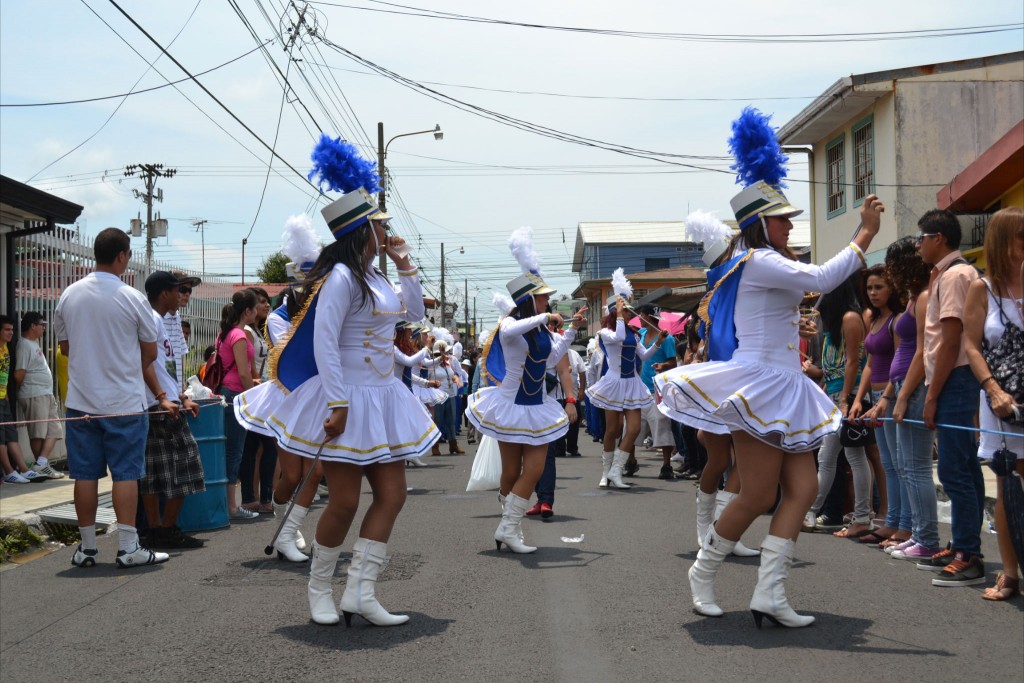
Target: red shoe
545, 510
535, 510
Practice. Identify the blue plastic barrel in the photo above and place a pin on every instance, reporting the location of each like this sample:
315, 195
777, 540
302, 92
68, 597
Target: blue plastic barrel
209, 509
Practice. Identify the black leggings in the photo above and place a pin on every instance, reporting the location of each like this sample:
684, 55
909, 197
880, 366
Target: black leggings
268, 462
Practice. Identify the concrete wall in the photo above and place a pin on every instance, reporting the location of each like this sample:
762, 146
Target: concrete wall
832, 234
942, 126
600, 260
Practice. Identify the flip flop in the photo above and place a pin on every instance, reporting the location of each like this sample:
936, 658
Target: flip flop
845, 533
872, 537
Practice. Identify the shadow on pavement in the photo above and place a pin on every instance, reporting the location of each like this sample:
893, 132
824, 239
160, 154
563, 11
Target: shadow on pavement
557, 557
829, 632
363, 635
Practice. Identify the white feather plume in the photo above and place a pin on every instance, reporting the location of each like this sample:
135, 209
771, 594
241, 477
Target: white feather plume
442, 334
300, 241
621, 284
520, 243
503, 302
483, 337
704, 227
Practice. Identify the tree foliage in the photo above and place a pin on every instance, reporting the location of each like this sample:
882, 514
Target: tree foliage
273, 268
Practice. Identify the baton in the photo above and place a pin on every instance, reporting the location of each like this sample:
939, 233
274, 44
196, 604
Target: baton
291, 504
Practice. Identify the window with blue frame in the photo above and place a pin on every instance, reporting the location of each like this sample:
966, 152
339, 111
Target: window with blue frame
835, 177
863, 134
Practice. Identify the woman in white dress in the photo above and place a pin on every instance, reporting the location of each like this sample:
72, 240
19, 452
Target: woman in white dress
775, 414
620, 392
408, 361
518, 413
345, 404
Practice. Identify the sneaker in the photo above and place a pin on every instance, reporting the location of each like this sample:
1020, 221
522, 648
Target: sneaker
648, 442
84, 558
33, 477
938, 561
139, 557
575, 454
174, 537
545, 510
47, 471
915, 552
535, 510
827, 523
964, 570
666, 473
16, 478
630, 468
242, 513
676, 458
810, 522
321, 490
901, 547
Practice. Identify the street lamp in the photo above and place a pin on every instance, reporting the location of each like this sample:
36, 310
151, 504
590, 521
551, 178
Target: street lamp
382, 154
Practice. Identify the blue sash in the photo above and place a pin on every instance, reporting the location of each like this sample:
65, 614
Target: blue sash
717, 308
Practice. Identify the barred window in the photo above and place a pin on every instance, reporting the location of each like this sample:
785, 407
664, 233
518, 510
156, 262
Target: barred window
863, 160
835, 161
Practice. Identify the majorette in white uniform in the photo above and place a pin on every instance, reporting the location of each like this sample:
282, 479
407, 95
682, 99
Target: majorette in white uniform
302, 246
753, 381
518, 409
620, 387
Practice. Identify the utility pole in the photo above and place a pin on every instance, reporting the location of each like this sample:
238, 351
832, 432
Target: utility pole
442, 284
465, 312
381, 196
199, 223
474, 321
149, 173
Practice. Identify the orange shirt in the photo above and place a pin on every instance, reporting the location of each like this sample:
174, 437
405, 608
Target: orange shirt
947, 294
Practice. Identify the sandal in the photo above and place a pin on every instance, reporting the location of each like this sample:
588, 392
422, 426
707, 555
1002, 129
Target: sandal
846, 533
1004, 589
874, 538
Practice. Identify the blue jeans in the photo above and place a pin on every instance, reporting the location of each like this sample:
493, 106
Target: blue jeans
897, 516
546, 484
445, 416
115, 442
234, 436
914, 466
959, 468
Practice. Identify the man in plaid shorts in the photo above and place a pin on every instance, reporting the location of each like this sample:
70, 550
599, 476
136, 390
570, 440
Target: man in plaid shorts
173, 467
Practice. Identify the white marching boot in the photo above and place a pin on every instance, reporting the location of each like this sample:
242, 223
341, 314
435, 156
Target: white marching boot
321, 595
279, 509
712, 553
722, 499
705, 514
285, 545
606, 463
501, 500
615, 471
368, 558
770, 594
510, 531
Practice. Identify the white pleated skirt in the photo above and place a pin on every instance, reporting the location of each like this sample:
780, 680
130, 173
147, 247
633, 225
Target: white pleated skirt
429, 396
613, 392
499, 417
783, 408
385, 423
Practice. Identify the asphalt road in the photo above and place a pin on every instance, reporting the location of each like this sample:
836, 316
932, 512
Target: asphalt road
615, 606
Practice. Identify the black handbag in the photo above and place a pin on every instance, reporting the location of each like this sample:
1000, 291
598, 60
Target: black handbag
857, 434
1005, 361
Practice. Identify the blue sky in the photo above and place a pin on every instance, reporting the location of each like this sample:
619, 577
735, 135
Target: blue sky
473, 188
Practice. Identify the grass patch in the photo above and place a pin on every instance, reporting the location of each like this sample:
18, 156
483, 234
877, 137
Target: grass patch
16, 537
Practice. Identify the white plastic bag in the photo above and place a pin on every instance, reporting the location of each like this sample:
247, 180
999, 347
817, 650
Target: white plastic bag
196, 390
486, 473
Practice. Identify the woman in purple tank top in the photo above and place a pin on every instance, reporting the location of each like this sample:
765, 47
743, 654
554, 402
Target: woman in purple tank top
903, 397
884, 305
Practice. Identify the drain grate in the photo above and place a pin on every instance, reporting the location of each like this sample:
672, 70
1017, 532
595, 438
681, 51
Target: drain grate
65, 513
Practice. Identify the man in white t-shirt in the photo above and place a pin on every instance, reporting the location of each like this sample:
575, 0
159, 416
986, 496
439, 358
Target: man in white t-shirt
108, 333
36, 403
173, 467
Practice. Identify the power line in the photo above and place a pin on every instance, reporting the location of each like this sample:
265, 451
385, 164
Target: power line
207, 91
755, 38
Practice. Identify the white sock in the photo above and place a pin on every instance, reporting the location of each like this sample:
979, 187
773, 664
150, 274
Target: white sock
42, 462
127, 537
88, 536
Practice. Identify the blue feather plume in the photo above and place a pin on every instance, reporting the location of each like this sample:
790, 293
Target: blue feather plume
756, 149
338, 165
